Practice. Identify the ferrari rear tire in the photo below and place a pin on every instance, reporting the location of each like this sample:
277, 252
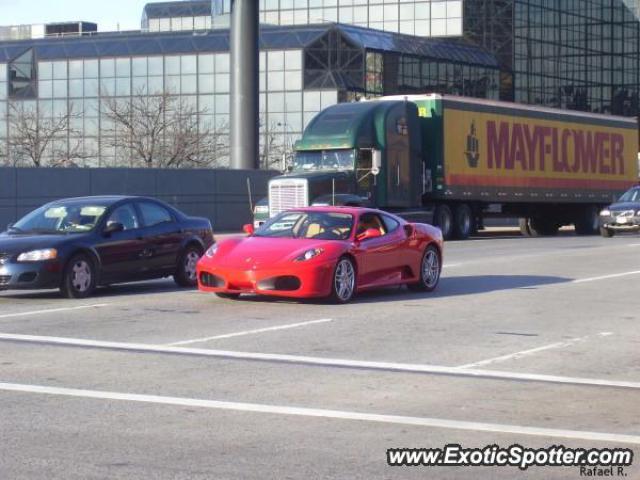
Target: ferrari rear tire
430, 270
343, 282
186, 275
228, 296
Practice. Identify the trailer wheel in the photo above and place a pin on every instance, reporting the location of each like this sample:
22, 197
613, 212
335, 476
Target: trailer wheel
443, 218
543, 227
587, 222
523, 223
463, 222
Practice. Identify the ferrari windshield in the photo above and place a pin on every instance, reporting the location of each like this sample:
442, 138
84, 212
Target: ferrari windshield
71, 218
632, 195
325, 160
308, 225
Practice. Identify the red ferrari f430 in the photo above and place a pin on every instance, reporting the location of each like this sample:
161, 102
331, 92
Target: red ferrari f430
332, 252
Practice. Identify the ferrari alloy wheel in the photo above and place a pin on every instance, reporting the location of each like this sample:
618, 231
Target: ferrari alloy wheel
186, 274
344, 281
430, 270
79, 278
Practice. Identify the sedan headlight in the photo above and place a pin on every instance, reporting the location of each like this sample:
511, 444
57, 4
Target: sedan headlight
213, 249
309, 254
605, 213
38, 255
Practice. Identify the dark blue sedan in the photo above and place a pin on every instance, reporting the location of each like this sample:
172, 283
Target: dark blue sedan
78, 244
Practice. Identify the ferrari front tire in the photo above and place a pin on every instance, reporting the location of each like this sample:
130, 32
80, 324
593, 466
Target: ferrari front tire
343, 282
430, 269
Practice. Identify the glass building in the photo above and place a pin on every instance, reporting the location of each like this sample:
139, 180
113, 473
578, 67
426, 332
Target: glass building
576, 54
303, 69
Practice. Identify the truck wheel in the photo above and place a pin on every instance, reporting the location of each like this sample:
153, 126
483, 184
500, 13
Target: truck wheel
587, 222
606, 232
443, 218
523, 223
463, 224
543, 228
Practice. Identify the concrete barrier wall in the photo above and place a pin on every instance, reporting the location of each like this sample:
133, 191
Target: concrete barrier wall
219, 195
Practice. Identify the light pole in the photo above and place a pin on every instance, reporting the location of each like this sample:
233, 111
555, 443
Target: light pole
244, 84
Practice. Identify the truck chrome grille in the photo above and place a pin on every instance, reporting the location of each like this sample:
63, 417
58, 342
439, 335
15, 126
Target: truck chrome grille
285, 194
4, 258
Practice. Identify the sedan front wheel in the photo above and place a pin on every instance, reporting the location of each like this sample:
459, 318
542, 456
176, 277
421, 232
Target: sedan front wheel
186, 273
79, 277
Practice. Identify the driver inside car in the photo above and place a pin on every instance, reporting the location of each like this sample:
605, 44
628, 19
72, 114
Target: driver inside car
368, 222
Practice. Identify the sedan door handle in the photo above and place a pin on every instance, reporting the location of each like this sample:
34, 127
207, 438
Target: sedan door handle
146, 253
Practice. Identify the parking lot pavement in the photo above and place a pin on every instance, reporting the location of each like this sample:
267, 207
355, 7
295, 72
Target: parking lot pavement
527, 341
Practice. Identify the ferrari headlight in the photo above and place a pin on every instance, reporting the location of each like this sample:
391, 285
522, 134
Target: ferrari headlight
309, 254
605, 213
38, 255
213, 249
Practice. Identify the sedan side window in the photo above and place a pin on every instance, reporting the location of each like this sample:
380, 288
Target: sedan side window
154, 214
126, 215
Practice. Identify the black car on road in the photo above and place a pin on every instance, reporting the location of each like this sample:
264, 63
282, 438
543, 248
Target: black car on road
622, 216
77, 244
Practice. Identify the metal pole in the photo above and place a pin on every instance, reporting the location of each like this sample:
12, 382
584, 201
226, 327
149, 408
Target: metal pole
244, 84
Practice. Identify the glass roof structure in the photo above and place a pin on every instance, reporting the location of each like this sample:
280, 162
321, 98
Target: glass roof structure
271, 37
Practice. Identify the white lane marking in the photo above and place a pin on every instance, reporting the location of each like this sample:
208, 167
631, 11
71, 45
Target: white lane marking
52, 310
634, 245
321, 413
524, 353
319, 361
250, 332
606, 277
452, 265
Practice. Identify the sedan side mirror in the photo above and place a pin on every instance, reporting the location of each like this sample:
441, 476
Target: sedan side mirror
249, 229
369, 233
112, 228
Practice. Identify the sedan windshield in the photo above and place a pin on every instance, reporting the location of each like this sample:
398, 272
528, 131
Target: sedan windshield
325, 160
74, 218
632, 195
309, 225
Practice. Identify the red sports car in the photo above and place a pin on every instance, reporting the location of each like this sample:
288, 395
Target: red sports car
331, 252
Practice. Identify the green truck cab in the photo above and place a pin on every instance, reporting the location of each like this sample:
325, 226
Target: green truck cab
357, 154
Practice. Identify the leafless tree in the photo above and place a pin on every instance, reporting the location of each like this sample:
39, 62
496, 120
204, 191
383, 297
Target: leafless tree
34, 137
275, 145
162, 131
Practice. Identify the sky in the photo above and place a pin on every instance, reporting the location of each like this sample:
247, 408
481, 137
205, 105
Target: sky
106, 13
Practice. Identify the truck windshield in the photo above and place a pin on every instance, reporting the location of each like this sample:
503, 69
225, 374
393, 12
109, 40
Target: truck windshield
325, 160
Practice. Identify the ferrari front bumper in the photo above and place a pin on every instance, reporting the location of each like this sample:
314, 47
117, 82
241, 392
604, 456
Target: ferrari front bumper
299, 281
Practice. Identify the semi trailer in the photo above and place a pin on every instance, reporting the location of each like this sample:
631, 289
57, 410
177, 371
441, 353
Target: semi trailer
453, 161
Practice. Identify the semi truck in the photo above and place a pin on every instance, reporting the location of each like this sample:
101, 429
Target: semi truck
453, 161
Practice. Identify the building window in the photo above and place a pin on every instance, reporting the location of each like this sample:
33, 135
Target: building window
22, 76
